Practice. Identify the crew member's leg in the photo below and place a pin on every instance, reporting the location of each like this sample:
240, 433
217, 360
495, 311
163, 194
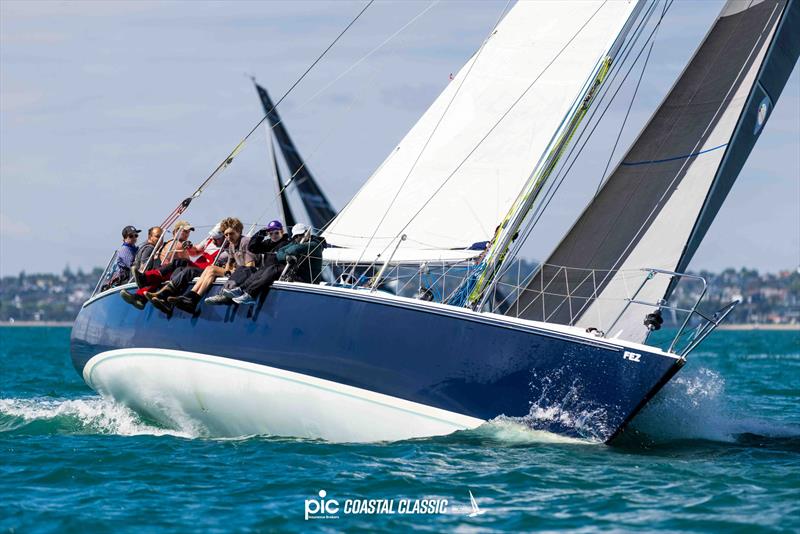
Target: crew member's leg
233, 287
259, 283
179, 281
189, 301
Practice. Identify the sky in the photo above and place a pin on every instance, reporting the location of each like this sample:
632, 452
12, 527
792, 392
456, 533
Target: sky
112, 112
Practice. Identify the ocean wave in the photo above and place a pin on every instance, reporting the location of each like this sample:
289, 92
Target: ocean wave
88, 415
791, 356
694, 406
516, 431
555, 406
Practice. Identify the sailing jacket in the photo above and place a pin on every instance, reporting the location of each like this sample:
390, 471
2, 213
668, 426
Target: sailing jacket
260, 243
309, 258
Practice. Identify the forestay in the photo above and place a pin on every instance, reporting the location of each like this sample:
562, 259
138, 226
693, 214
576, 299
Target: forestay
656, 206
456, 174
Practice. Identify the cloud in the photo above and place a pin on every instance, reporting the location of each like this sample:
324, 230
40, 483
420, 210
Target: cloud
11, 101
114, 111
11, 228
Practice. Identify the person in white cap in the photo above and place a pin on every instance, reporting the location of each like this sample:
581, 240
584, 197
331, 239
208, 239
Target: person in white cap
266, 242
304, 253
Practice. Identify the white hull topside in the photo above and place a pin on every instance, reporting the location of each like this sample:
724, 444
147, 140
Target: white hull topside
223, 397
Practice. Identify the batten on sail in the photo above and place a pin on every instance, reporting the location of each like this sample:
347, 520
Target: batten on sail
456, 174
654, 209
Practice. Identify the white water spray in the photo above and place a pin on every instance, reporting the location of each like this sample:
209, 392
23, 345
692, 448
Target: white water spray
92, 414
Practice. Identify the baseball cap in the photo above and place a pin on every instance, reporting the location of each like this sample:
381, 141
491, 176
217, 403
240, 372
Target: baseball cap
215, 233
182, 225
299, 229
274, 225
129, 231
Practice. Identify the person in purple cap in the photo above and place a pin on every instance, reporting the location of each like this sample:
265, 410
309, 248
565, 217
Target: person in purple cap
266, 242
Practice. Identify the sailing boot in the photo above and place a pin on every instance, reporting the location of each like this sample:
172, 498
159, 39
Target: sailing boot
162, 305
187, 302
134, 299
140, 277
167, 290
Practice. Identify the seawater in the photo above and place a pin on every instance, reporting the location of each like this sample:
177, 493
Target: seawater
717, 450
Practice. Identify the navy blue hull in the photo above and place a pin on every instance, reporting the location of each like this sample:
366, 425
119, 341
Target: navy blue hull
452, 359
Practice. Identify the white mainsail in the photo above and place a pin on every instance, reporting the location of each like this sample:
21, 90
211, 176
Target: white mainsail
457, 173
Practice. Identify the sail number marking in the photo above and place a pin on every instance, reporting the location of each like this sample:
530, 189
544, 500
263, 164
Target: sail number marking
632, 356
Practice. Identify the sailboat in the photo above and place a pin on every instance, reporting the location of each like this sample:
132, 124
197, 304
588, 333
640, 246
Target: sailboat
319, 209
474, 504
572, 351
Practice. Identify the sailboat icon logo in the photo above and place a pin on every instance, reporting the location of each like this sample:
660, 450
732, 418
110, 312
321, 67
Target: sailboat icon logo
474, 503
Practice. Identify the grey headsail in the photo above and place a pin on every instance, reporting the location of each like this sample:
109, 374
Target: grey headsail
319, 210
656, 206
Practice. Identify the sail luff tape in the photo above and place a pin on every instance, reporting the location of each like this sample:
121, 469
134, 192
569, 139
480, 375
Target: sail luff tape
496, 257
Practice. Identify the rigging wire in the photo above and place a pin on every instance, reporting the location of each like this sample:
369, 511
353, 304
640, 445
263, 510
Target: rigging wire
184, 204
494, 126
627, 114
283, 186
366, 56
369, 54
741, 72
238, 147
623, 53
558, 182
633, 239
425, 146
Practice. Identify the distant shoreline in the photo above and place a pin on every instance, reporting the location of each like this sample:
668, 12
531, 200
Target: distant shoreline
755, 326
35, 323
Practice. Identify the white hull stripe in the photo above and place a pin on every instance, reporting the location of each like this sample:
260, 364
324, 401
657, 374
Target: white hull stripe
228, 397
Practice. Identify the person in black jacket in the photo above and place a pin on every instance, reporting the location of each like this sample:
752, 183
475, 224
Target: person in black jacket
304, 255
265, 242
304, 251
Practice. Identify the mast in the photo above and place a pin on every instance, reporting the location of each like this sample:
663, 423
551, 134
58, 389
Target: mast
654, 209
319, 210
510, 226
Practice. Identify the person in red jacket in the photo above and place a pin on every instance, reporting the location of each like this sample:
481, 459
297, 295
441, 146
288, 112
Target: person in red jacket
175, 254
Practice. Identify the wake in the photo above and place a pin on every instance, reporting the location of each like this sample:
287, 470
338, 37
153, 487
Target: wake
694, 406
88, 415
